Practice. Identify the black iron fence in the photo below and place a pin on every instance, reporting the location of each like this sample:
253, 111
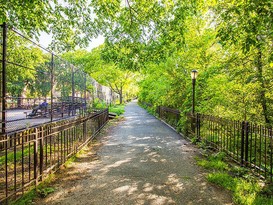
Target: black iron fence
248, 144
28, 156
31, 74
169, 115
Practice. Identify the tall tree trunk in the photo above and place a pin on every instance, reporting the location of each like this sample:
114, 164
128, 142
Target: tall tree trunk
120, 96
263, 102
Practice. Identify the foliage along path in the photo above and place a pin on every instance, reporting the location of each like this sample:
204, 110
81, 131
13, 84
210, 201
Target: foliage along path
141, 161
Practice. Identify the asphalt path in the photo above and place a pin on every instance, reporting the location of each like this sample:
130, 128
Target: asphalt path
141, 161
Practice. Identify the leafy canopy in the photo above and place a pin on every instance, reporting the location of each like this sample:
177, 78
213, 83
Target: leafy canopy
71, 23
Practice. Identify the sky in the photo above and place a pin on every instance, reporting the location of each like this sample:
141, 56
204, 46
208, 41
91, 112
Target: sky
45, 40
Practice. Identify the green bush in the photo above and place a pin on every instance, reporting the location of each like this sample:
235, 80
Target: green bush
118, 109
98, 104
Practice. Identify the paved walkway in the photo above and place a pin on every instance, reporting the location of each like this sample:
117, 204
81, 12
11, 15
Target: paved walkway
141, 161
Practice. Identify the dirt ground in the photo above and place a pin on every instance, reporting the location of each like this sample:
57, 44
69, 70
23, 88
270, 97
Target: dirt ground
138, 160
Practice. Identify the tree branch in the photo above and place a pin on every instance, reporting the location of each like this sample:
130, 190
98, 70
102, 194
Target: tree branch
130, 10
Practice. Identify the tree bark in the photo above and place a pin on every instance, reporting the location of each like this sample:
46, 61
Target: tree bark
120, 96
263, 101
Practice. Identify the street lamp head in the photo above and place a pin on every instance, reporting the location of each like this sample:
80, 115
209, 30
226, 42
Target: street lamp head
194, 74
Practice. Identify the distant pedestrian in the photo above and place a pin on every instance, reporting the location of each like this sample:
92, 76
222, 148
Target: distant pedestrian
42, 107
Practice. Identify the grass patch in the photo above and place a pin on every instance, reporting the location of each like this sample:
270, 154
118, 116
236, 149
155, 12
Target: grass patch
222, 179
118, 109
218, 165
246, 189
214, 162
73, 158
18, 155
26, 199
42, 190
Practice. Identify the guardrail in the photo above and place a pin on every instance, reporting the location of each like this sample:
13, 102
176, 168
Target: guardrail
29, 156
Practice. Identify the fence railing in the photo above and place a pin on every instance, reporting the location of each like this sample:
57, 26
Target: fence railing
248, 144
28, 113
171, 116
30, 74
28, 156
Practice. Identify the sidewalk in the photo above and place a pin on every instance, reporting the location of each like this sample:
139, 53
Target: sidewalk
141, 161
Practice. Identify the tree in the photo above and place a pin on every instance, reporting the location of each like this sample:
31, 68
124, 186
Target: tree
41, 84
249, 26
106, 73
172, 76
109, 74
233, 59
115, 78
142, 30
71, 23
22, 71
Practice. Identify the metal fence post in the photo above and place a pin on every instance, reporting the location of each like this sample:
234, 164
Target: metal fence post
177, 116
242, 142
35, 156
85, 102
271, 156
6, 170
51, 88
41, 139
73, 89
4, 55
246, 142
198, 126
84, 130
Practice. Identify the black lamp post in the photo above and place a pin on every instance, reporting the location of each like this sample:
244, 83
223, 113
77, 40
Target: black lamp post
194, 74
